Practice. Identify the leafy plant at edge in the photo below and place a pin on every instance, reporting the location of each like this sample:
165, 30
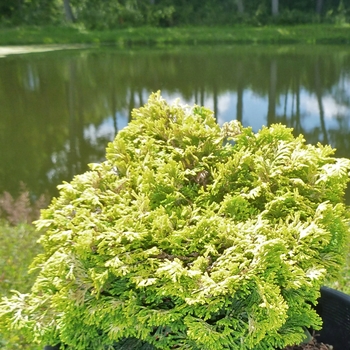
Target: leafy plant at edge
189, 236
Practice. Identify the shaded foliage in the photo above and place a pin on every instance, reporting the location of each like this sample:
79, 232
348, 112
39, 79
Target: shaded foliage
118, 13
37, 12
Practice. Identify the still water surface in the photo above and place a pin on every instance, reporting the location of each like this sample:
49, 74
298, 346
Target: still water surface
58, 110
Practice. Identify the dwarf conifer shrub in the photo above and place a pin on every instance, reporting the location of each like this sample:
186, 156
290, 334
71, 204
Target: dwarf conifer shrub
189, 236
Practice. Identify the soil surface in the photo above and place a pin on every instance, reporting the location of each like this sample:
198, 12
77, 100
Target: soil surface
311, 345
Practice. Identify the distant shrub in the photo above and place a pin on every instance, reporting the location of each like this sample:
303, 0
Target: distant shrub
21, 209
340, 15
189, 236
295, 17
116, 14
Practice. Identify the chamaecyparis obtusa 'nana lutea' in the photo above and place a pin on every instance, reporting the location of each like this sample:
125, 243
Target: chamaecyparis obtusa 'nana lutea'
189, 236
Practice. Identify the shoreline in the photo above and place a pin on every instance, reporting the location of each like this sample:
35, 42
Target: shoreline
24, 49
312, 34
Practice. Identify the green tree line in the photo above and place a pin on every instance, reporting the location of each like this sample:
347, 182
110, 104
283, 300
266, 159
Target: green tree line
107, 14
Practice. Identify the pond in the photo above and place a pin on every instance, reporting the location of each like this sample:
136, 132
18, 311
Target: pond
58, 110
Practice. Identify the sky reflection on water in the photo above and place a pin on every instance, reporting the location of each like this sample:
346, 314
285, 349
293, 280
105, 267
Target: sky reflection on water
60, 109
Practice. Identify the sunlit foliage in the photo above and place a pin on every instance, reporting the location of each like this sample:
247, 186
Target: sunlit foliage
188, 236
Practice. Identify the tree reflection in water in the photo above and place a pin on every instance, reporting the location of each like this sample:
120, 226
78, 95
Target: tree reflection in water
60, 109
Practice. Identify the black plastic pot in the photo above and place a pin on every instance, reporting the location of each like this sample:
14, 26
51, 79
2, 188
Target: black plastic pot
333, 307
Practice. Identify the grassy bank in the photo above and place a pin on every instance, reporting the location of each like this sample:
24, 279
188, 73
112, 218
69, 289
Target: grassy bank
17, 250
310, 34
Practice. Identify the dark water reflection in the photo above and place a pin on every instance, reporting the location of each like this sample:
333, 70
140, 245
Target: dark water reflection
58, 110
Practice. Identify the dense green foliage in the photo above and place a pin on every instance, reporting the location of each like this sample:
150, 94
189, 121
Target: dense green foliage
188, 235
118, 13
197, 35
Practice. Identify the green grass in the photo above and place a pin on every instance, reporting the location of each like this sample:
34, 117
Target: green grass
17, 250
310, 34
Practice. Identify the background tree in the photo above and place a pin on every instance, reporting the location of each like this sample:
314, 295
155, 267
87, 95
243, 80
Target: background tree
274, 7
240, 6
319, 6
68, 11
105, 14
